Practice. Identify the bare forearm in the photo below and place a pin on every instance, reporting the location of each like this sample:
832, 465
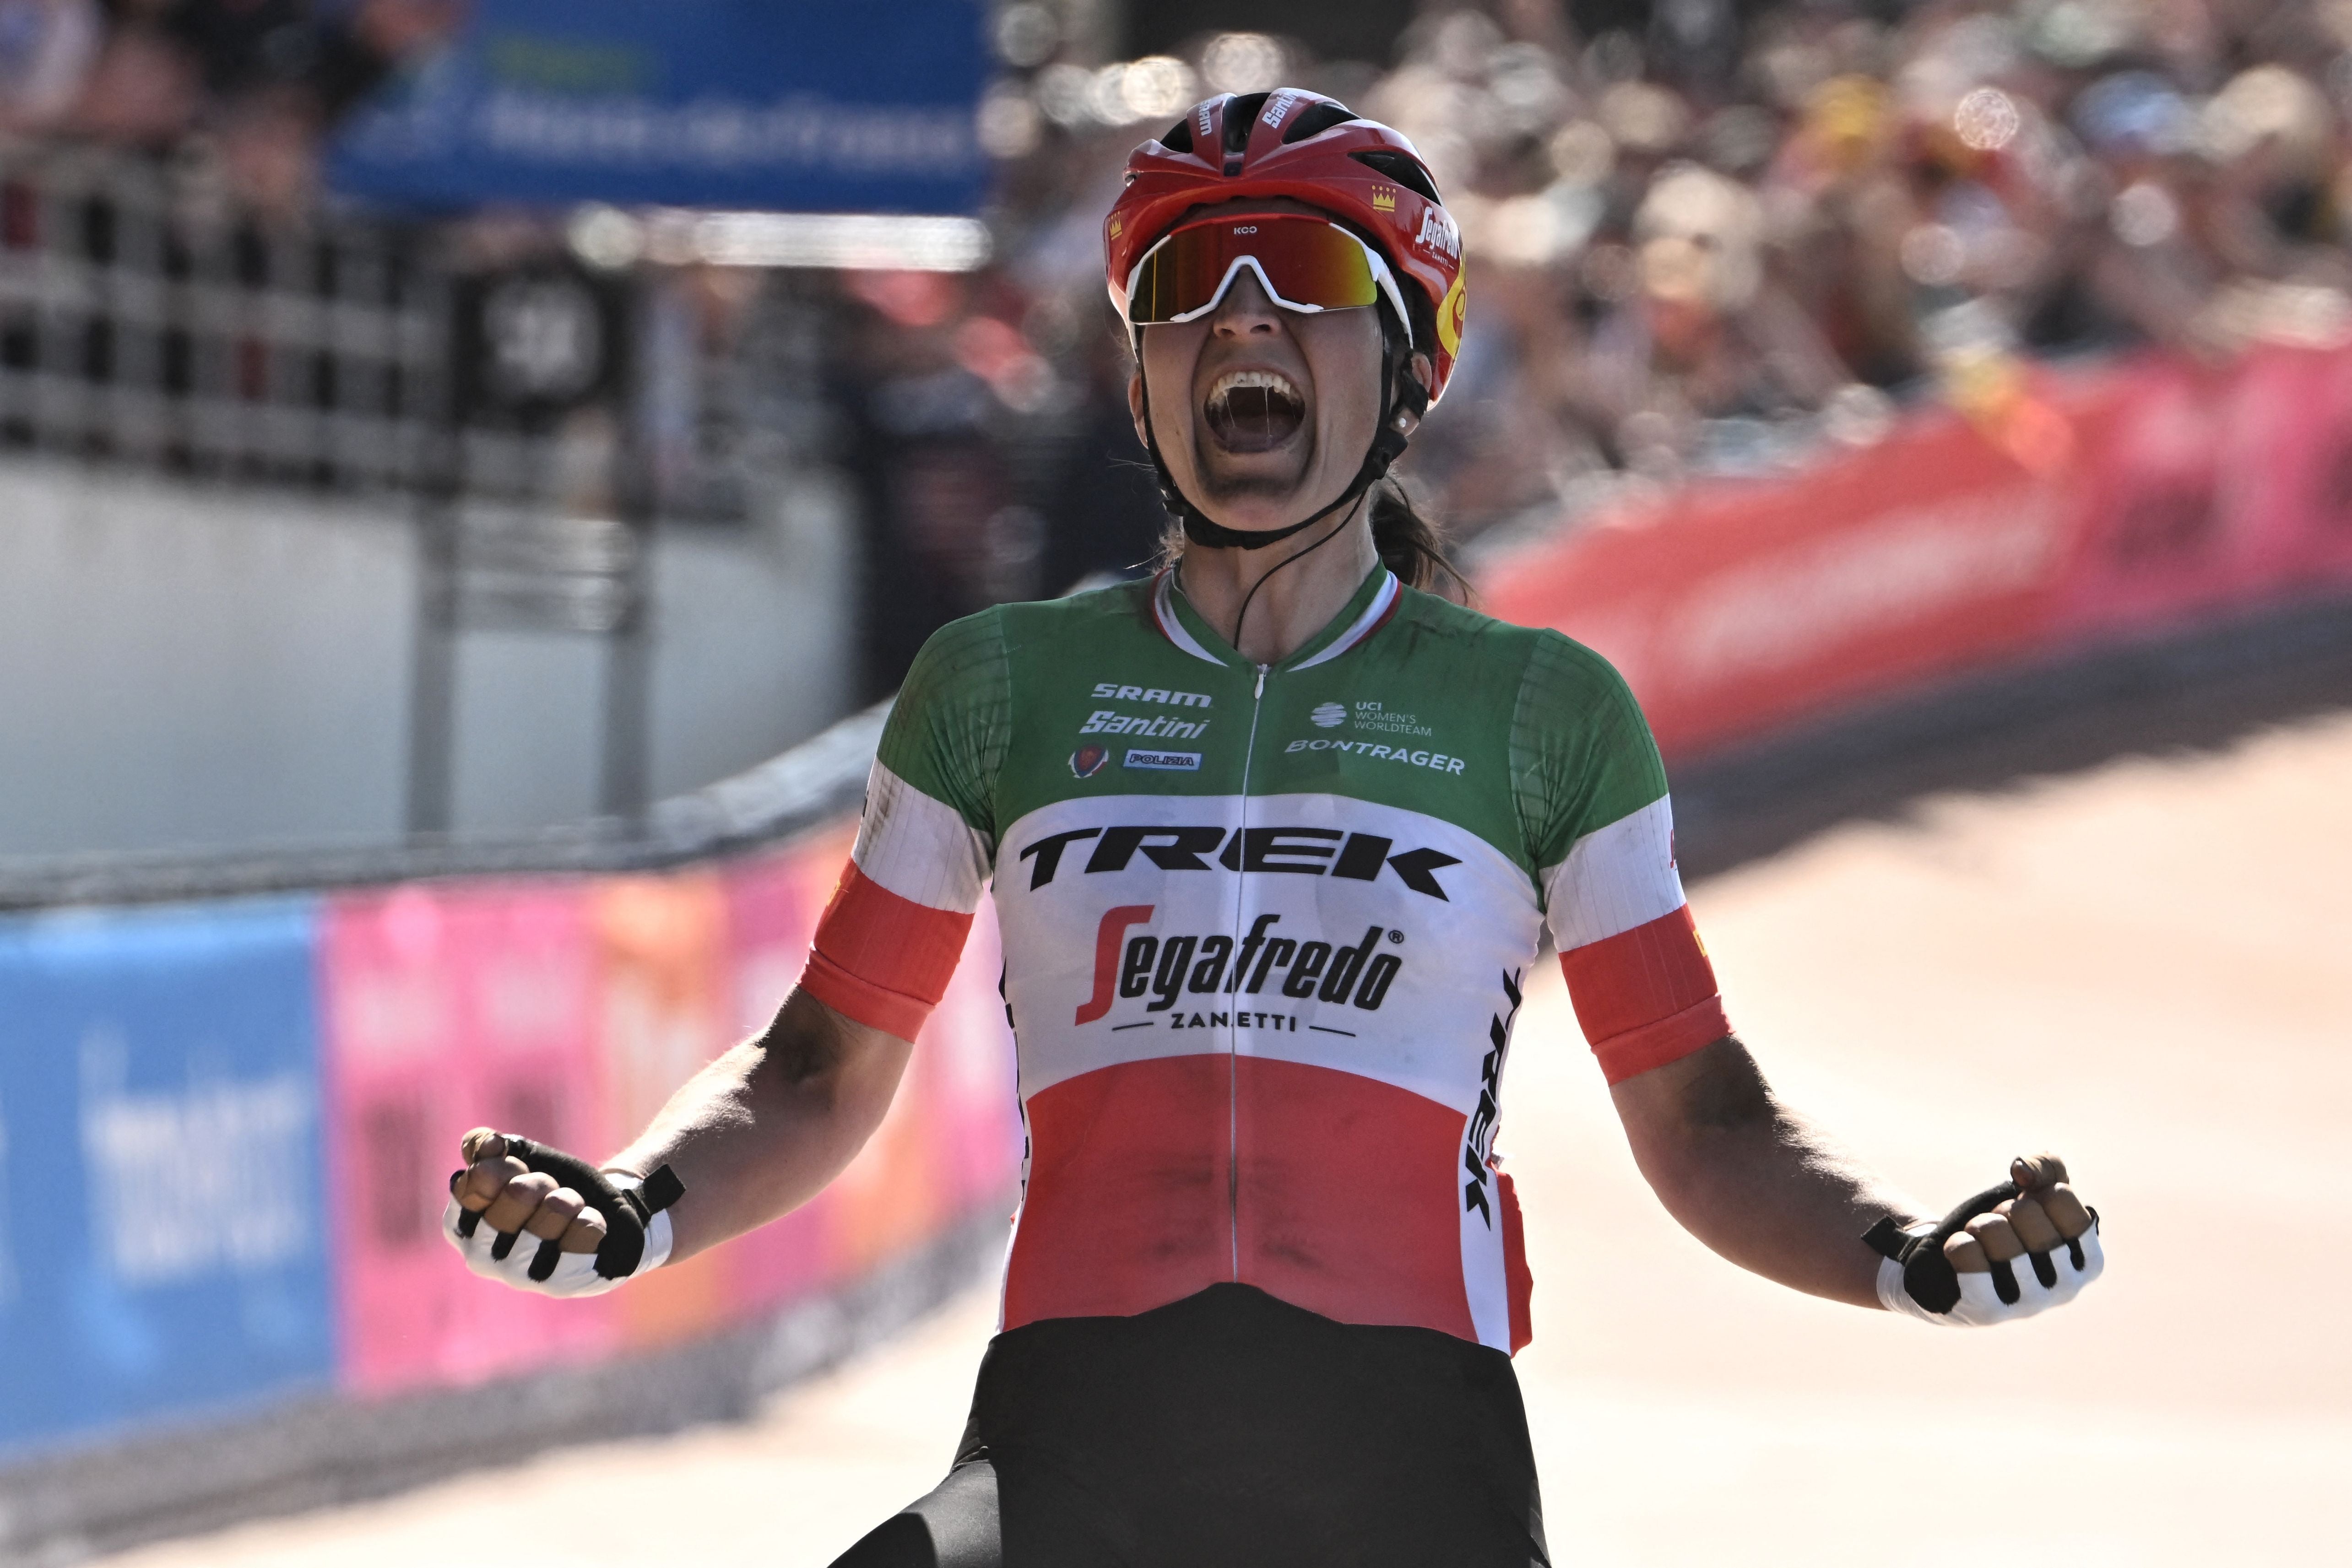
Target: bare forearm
764, 1128
1752, 1179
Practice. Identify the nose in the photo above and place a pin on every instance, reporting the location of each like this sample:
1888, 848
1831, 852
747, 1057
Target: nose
1245, 311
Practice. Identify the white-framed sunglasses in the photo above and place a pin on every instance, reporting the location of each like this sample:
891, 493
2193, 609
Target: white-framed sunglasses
1304, 263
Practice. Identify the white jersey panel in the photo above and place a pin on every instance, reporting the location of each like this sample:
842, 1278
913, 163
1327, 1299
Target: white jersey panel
1360, 937
1614, 879
918, 848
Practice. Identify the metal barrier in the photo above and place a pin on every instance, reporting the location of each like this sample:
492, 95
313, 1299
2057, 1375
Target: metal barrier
145, 318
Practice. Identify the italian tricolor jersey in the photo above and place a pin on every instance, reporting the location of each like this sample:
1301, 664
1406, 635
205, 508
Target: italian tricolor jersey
1265, 932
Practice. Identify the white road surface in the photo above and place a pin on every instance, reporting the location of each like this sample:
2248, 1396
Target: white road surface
2143, 966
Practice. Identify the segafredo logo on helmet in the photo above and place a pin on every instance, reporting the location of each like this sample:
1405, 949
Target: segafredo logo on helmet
1308, 851
1438, 232
1278, 107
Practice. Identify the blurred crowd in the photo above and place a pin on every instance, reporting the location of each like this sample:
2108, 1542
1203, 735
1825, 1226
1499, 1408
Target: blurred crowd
1704, 236
252, 84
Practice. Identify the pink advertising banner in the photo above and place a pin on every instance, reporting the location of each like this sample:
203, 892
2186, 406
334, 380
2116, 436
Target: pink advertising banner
448, 1007
569, 1012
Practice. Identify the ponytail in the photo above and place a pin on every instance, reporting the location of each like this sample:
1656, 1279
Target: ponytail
1409, 544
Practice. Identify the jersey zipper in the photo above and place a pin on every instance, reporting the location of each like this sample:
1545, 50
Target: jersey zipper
1233, 1032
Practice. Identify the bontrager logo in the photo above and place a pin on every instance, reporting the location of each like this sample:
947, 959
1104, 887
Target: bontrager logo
1168, 967
1436, 760
1309, 851
1159, 695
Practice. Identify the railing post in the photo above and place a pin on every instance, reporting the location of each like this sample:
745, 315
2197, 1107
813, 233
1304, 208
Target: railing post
625, 785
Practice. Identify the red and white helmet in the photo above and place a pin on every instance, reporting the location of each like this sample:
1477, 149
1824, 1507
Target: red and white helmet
1312, 150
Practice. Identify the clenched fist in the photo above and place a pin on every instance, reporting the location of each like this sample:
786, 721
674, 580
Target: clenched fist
1965, 1271
588, 1229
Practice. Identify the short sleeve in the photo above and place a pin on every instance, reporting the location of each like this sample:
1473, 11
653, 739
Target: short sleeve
889, 942
1601, 834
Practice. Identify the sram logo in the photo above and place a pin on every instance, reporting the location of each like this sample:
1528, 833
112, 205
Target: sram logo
1159, 695
1308, 851
1168, 967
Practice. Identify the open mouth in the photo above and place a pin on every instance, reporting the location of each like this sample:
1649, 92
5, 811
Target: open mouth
1254, 411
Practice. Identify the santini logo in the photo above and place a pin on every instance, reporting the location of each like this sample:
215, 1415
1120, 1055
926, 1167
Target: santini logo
1310, 851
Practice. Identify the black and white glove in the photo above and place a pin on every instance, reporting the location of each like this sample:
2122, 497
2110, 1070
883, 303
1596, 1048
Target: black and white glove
636, 1228
1917, 1279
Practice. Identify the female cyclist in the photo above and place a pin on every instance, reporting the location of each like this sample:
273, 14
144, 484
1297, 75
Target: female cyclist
1274, 838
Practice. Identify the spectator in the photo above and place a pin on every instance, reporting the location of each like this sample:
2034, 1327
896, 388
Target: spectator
48, 48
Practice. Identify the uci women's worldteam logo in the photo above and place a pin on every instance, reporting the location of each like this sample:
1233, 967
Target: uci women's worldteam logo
1087, 760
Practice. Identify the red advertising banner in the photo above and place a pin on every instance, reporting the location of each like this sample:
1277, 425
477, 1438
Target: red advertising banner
445, 1007
2205, 488
1734, 608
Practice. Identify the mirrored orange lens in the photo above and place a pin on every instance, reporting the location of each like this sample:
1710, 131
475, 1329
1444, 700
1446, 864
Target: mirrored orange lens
1308, 262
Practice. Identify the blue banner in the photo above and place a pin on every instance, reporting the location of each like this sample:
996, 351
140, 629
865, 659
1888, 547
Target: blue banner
782, 105
162, 1235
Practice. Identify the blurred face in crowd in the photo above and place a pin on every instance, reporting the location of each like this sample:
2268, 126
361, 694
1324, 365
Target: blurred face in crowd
1261, 414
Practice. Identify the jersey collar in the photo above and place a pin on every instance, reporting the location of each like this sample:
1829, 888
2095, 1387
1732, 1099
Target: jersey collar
1366, 611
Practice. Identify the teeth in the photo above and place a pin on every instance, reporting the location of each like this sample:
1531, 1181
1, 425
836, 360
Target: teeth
1241, 380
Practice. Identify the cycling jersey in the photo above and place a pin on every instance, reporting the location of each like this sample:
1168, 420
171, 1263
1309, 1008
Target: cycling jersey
1265, 931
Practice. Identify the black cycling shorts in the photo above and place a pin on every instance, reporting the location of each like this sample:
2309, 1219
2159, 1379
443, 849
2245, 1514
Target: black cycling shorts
1230, 1429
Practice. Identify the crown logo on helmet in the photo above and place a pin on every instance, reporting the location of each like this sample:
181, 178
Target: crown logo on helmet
1384, 198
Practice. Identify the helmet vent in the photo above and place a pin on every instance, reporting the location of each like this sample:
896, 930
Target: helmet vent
1241, 115
1403, 169
1315, 120
1178, 137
